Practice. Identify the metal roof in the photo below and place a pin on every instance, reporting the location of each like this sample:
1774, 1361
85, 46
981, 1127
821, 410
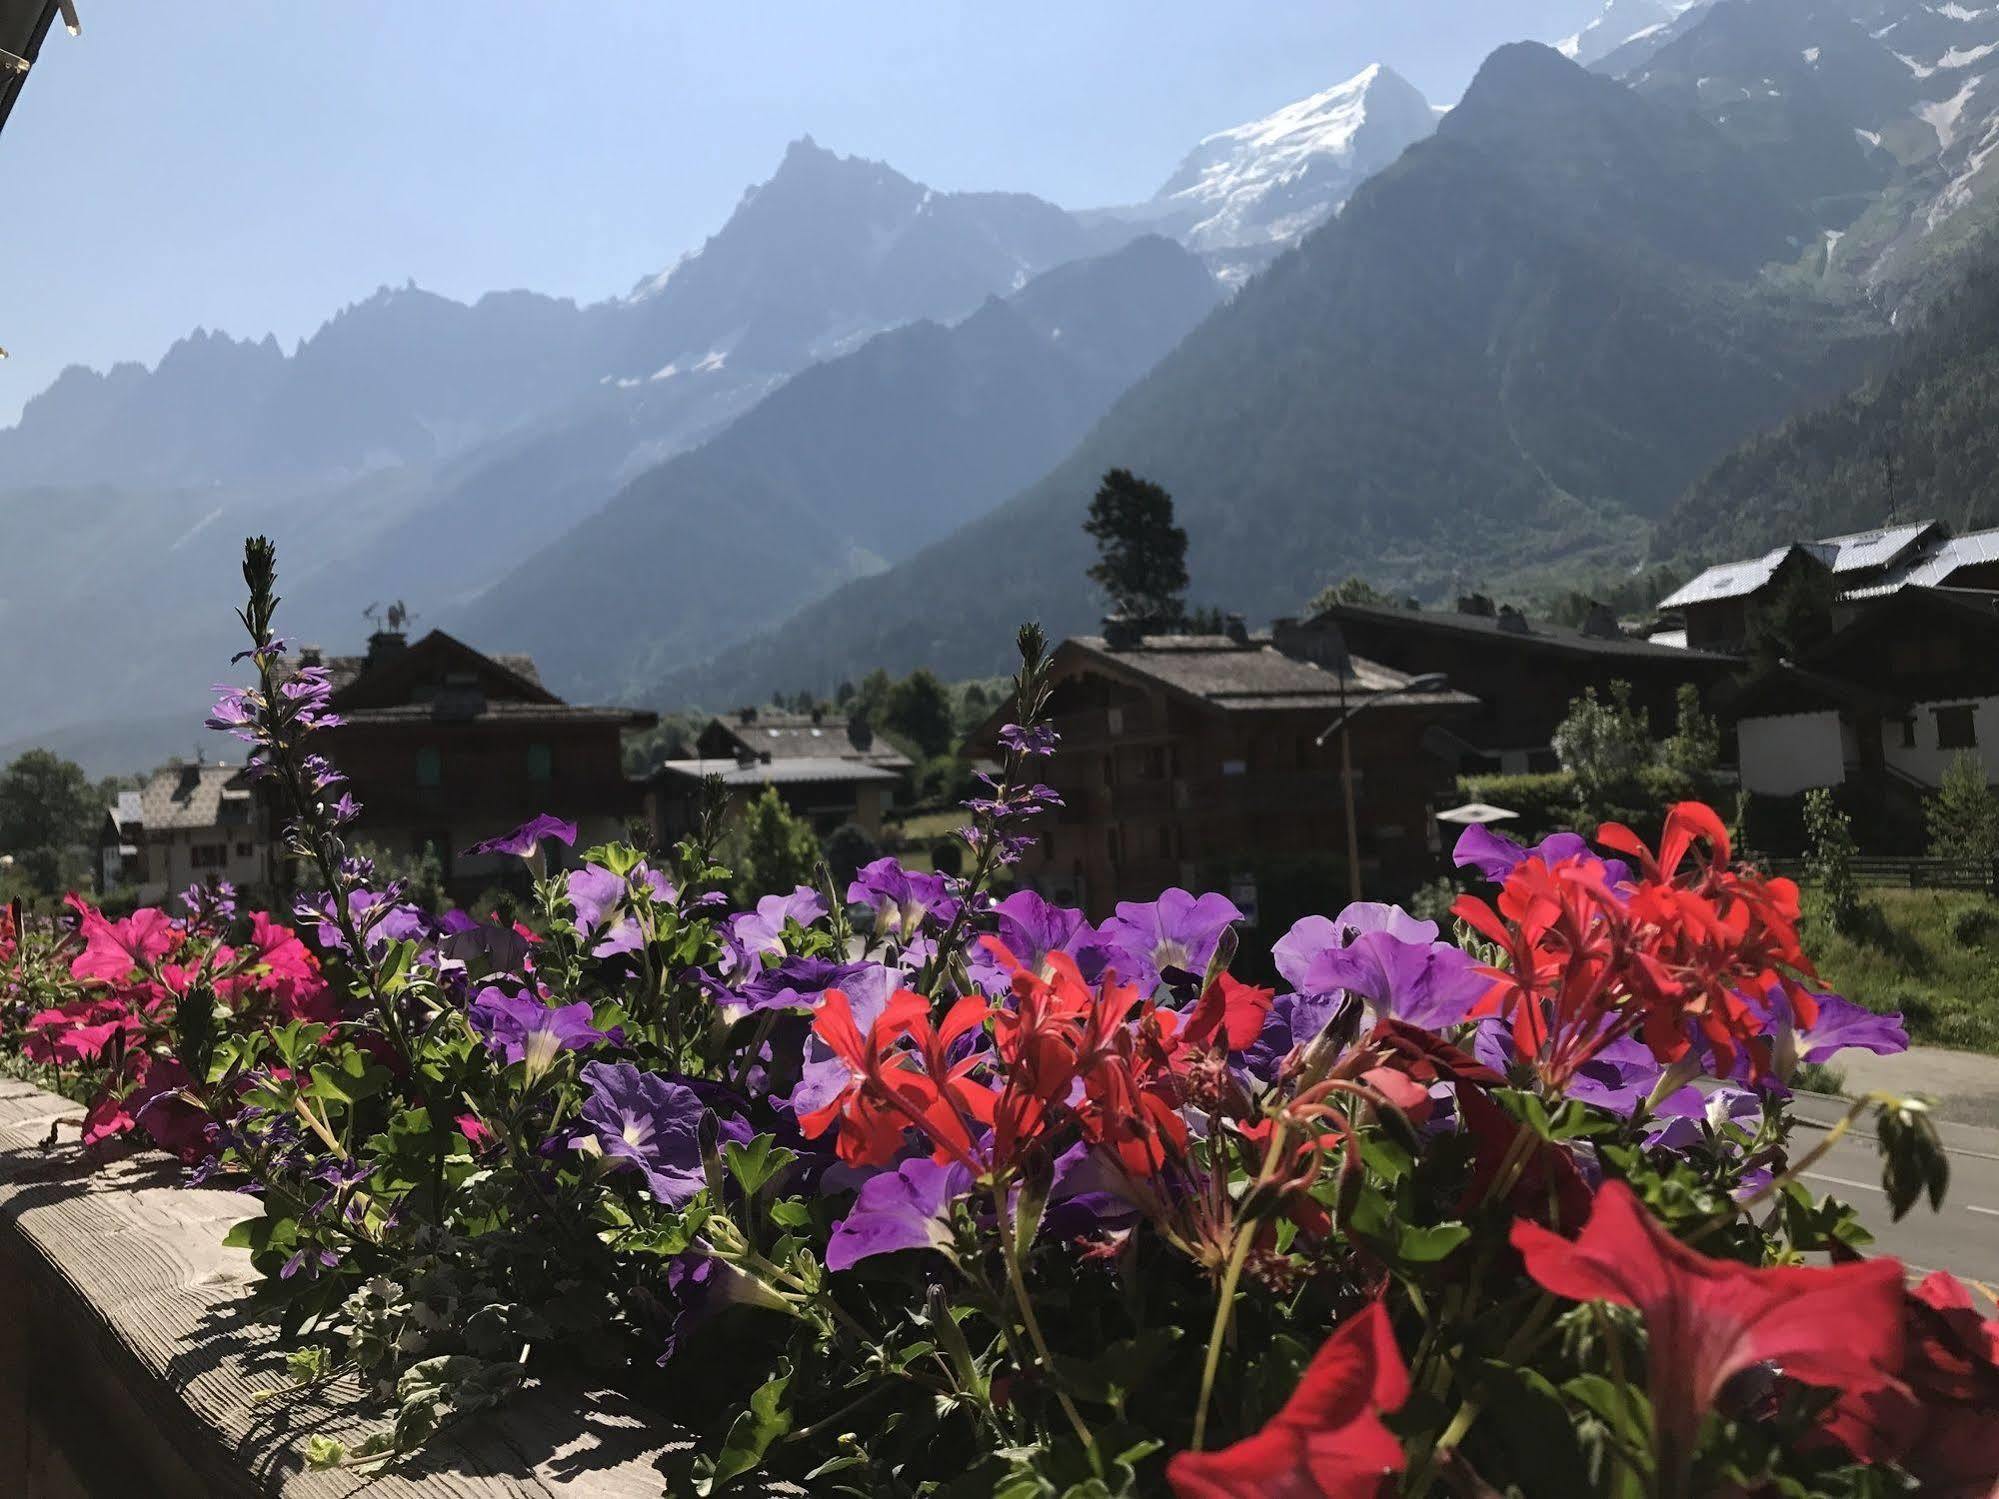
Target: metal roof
1252, 674
1856, 551
794, 771
1934, 569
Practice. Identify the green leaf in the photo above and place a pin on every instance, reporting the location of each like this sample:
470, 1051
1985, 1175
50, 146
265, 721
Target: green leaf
324, 1452
1426, 1246
755, 1164
751, 1433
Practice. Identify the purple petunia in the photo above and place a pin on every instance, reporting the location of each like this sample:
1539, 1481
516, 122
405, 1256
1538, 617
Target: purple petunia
1031, 928
1178, 931
1393, 961
1840, 1023
901, 899
520, 1028
525, 840
603, 900
1495, 856
653, 1123
755, 933
907, 1208
822, 1075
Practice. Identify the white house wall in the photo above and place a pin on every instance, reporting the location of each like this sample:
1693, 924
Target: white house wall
1783, 756
1926, 762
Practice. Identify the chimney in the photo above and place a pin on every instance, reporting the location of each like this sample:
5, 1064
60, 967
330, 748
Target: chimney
1122, 633
1601, 623
860, 733
818, 716
1236, 629
309, 655
1475, 603
1512, 621
386, 645
746, 716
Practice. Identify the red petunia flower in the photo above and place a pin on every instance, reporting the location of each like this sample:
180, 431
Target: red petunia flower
1328, 1442
1708, 1320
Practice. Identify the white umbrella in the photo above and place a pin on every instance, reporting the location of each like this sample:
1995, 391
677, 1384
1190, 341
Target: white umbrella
1476, 815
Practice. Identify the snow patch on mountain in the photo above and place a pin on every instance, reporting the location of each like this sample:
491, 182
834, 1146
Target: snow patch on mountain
1270, 180
1622, 21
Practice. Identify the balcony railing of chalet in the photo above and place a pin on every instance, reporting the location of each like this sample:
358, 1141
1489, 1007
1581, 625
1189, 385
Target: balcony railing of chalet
131, 1364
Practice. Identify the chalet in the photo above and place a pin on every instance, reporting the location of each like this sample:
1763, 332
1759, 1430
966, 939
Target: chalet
445, 746
1195, 761
1721, 604
1524, 673
187, 824
827, 770
1967, 561
1906, 685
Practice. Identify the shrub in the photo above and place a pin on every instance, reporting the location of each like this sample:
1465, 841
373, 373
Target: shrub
1831, 860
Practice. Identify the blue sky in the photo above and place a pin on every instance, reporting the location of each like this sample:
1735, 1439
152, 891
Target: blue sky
255, 167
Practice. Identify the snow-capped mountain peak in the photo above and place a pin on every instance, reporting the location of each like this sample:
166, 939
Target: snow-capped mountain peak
1622, 21
1268, 181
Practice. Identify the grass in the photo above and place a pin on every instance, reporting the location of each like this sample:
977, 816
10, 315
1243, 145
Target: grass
1931, 954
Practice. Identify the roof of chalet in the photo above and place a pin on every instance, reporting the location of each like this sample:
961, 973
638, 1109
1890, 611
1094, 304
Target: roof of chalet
201, 795
1536, 634
798, 736
1785, 688
23, 24
440, 678
789, 771
1251, 675
1934, 569
1856, 551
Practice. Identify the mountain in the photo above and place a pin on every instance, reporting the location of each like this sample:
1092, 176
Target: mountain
1621, 24
832, 250
851, 465
1921, 439
1517, 343
1264, 184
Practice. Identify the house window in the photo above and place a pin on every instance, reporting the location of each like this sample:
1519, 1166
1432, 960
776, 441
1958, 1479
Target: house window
1909, 732
1111, 844
208, 855
1166, 842
429, 767
1235, 767
1956, 728
541, 762
244, 850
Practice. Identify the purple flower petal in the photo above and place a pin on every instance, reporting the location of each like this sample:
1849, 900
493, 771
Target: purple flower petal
525, 840
907, 1208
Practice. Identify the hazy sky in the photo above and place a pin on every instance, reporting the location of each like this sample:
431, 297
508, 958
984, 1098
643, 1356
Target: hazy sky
254, 167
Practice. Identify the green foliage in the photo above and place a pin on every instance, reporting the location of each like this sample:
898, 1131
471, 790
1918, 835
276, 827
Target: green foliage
1602, 746
1963, 812
1141, 554
1830, 861
1795, 618
772, 850
1350, 590
1905, 955
848, 847
47, 807
918, 709
1694, 747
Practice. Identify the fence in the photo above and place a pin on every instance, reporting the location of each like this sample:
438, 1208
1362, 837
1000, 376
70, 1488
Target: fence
1913, 874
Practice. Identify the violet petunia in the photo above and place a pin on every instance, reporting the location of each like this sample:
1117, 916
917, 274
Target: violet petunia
520, 1028
1179, 931
653, 1123
1839, 1023
602, 904
1387, 957
525, 840
901, 899
907, 1208
1031, 928
822, 1075
1495, 856
755, 933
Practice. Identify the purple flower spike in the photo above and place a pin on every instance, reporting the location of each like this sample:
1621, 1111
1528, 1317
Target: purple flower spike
1179, 930
907, 1208
525, 840
520, 1028
653, 1123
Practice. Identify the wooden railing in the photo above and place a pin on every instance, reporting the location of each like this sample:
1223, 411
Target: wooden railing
132, 1363
1912, 873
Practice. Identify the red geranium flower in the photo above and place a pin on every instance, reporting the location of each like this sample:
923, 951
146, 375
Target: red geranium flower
1708, 1320
1328, 1442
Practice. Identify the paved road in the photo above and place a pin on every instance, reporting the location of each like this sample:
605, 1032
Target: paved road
1962, 1237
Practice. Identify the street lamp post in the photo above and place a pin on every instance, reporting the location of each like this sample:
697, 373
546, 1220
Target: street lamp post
1428, 682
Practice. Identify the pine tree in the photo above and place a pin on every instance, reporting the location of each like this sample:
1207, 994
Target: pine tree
1963, 812
1694, 748
1141, 554
775, 851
